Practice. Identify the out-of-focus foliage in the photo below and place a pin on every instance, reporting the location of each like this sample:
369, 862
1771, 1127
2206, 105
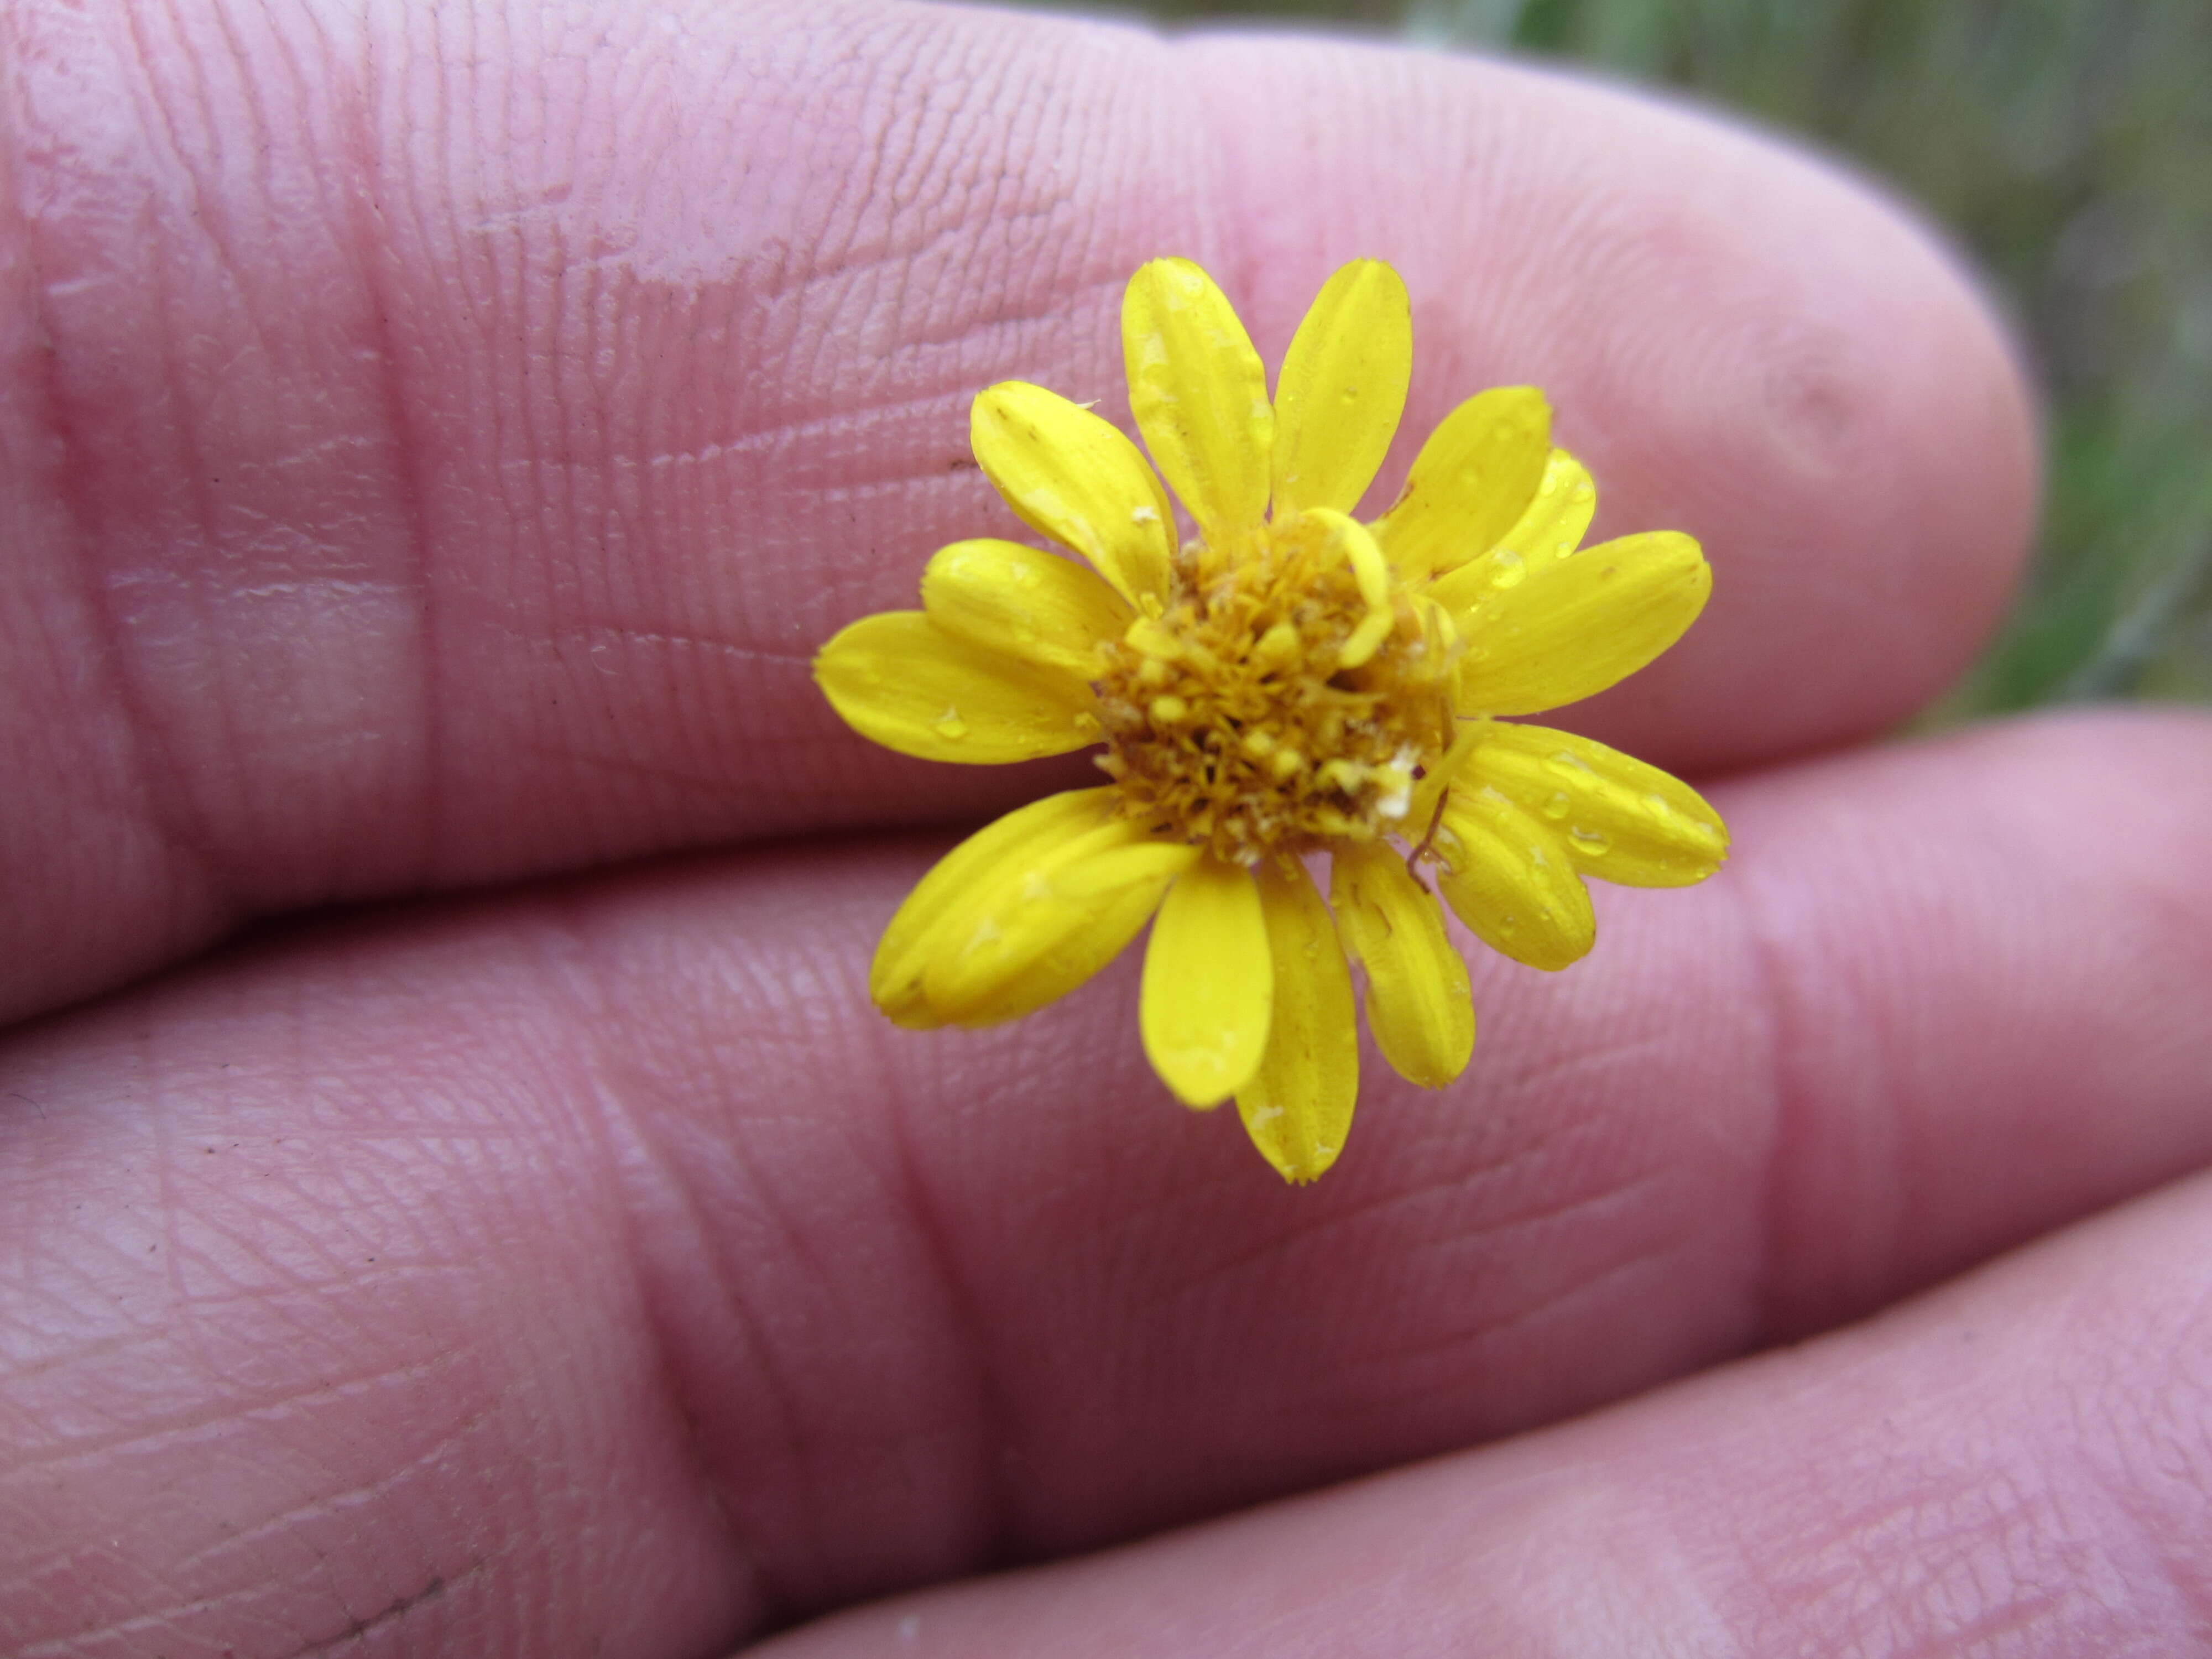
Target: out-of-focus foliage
2068, 145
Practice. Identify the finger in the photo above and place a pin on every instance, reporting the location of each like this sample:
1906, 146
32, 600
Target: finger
438, 439
2018, 1464
614, 1214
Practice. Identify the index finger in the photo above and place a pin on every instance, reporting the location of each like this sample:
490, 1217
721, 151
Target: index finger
437, 440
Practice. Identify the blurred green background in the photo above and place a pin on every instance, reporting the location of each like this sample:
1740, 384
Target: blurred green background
2068, 143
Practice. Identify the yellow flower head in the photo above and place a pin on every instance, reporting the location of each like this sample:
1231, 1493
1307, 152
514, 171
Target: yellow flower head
1289, 682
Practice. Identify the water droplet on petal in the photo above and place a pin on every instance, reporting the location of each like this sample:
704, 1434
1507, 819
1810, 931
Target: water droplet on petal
949, 725
1590, 843
1559, 805
1507, 568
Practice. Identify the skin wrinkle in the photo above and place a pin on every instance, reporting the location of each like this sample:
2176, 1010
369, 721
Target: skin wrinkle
346, 1412
285, 1524
167, 1622
1554, 1301
830, 425
2163, 1470
212, 222
359, 1629
1860, 1180
292, 1525
1950, 1560
1805, 1117
976, 1507
188, 900
82, 1349
376, 246
1447, 1192
1908, 1565
236, 1404
997, 1425
1658, 1172
793, 1438
149, 727
623, 1125
1982, 1540
194, 465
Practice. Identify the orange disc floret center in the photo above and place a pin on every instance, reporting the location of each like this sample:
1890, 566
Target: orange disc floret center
1232, 721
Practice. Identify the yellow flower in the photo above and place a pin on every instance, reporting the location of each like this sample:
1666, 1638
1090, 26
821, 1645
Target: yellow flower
1289, 682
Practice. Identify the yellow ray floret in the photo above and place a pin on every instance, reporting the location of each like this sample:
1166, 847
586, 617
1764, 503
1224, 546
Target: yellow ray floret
1292, 682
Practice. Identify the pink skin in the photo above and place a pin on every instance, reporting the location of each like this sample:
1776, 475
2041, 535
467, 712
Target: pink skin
432, 452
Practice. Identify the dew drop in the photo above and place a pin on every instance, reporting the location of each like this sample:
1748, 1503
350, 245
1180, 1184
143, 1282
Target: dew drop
1507, 568
949, 725
1590, 843
1558, 806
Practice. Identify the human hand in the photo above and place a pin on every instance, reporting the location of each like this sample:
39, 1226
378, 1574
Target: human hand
437, 443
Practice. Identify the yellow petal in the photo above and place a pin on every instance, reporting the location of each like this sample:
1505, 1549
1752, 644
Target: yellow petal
1421, 808
1042, 609
1298, 1107
1209, 984
1551, 528
1042, 924
1473, 480
1507, 876
1576, 626
900, 679
1352, 539
1199, 394
1075, 476
962, 880
1417, 1002
1618, 818
1342, 389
